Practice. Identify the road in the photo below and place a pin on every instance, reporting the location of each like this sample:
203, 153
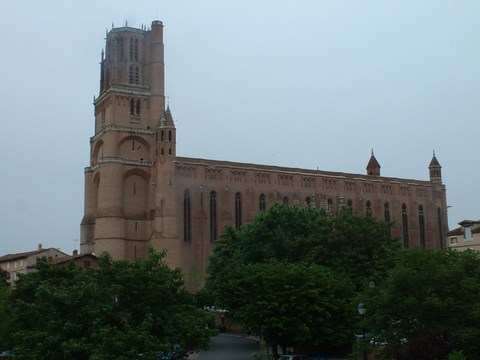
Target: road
230, 347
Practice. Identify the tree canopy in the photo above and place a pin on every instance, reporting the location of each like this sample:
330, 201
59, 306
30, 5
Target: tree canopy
428, 306
119, 311
291, 275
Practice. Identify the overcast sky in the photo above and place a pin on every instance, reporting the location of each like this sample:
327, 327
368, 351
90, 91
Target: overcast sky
303, 83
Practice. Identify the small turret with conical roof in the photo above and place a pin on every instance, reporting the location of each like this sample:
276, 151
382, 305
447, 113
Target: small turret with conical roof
373, 167
166, 134
435, 169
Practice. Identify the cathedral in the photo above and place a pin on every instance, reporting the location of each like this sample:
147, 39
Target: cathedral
139, 193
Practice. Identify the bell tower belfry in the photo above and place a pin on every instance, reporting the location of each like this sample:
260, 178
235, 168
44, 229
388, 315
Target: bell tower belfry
119, 181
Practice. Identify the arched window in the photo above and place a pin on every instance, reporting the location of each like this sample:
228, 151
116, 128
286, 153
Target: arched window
368, 207
137, 75
406, 238
238, 210
186, 217
130, 74
213, 216
285, 200
386, 212
350, 203
132, 107
161, 136
261, 202
421, 225
169, 135
330, 206
138, 107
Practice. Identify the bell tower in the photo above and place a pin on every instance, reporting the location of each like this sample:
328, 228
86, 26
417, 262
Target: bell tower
119, 181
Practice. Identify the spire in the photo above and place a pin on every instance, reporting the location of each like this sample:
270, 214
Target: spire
435, 169
166, 119
373, 166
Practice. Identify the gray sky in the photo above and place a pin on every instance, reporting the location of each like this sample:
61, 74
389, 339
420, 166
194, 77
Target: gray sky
304, 83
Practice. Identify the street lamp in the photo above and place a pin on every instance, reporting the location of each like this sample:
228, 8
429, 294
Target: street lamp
362, 309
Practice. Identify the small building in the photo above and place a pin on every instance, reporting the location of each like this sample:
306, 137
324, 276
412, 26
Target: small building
85, 261
467, 236
25, 262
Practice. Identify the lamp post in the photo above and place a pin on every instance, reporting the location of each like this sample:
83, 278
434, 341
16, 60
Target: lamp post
362, 309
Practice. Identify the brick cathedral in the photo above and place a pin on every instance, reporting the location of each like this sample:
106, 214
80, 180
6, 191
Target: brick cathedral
139, 193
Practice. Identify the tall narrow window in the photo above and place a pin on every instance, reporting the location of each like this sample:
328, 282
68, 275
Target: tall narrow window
261, 202
440, 227
132, 107
138, 107
308, 201
130, 74
120, 48
406, 237
421, 225
132, 41
169, 135
213, 216
238, 210
186, 217
368, 207
330, 206
161, 136
386, 212
137, 75
136, 50
285, 200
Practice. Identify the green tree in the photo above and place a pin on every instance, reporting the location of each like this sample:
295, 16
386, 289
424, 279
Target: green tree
119, 311
290, 303
429, 305
357, 245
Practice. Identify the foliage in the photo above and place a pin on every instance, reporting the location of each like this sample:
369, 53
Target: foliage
429, 304
290, 303
116, 312
357, 245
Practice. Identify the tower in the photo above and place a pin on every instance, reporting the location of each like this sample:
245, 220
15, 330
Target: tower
120, 182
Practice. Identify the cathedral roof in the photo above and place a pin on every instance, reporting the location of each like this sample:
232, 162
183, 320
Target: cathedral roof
373, 163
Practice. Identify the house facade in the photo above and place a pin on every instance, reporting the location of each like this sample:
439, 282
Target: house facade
467, 236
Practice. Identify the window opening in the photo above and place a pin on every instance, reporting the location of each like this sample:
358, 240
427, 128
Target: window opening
213, 216
421, 224
261, 202
238, 210
406, 238
138, 107
186, 217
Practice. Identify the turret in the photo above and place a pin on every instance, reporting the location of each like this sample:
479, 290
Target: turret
435, 169
373, 167
166, 134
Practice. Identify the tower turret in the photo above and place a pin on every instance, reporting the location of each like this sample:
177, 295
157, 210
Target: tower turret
373, 167
166, 134
435, 169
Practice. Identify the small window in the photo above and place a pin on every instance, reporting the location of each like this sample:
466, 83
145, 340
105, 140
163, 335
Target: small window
169, 135
308, 201
285, 200
350, 203
330, 206
261, 202
137, 75
368, 207
138, 107
130, 74
132, 107
453, 240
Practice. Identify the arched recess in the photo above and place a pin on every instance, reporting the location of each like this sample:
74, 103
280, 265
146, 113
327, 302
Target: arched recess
97, 152
135, 192
134, 148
